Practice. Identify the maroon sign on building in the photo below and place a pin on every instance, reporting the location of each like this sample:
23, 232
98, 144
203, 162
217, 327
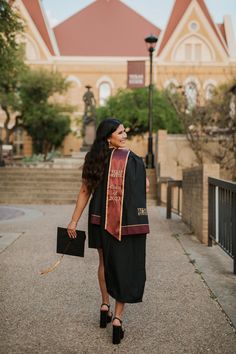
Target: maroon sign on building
136, 74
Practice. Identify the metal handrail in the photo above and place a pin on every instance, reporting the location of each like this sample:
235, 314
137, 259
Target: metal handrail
170, 185
222, 215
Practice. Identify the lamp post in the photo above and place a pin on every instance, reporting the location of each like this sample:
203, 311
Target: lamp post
151, 41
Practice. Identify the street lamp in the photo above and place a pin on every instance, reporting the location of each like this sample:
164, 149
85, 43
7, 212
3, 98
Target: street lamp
151, 41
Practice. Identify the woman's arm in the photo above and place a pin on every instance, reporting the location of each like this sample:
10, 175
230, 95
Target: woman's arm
81, 203
147, 185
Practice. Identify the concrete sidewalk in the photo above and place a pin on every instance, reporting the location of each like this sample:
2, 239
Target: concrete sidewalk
58, 313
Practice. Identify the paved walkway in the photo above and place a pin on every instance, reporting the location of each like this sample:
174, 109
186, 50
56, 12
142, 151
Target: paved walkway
58, 313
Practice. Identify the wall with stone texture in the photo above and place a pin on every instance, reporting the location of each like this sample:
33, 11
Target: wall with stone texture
174, 153
195, 198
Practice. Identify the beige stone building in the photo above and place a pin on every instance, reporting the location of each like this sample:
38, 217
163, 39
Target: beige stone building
103, 46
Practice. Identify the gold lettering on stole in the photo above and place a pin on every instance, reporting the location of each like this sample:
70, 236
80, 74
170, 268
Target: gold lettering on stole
115, 192
114, 189
116, 173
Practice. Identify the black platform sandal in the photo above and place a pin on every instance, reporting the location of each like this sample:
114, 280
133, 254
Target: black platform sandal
104, 316
118, 332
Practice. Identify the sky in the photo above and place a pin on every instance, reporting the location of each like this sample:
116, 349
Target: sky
156, 11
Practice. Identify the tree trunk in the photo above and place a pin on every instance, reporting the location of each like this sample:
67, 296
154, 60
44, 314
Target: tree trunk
46, 149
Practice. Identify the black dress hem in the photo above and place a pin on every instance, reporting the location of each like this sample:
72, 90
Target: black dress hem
127, 301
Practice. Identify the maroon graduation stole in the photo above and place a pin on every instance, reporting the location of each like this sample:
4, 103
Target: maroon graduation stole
115, 191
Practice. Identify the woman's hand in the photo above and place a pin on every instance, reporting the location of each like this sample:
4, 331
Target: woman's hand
71, 229
81, 203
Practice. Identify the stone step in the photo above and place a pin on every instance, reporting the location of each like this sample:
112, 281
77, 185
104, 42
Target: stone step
40, 176
50, 200
53, 172
43, 184
41, 173
45, 178
41, 181
12, 191
37, 201
52, 186
37, 170
78, 154
39, 194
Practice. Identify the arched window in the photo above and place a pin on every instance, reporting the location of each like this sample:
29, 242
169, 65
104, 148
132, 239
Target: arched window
172, 88
31, 49
209, 90
104, 92
171, 85
191, 94
193, 48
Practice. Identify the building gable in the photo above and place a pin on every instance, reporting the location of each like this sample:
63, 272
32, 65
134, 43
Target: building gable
39, 38
191, 35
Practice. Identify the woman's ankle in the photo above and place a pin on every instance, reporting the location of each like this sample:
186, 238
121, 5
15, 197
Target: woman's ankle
105, 306
117, 320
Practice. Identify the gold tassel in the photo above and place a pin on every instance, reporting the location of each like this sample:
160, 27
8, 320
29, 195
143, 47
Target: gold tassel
50, 269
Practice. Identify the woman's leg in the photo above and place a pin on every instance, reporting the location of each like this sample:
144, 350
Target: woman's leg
119, 308
102, 282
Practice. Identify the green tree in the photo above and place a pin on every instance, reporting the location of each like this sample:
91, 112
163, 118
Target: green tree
11, 26
11, 65
194, 120
212, 118
222, 118
131, 107
26, 96
45, 120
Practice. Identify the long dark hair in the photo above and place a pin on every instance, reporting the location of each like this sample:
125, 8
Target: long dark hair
97, 157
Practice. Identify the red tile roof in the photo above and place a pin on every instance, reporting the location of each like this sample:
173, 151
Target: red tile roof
104, 28
178, 11
221, 27
35, 11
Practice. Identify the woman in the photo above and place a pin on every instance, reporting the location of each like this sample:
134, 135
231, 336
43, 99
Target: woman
118, 221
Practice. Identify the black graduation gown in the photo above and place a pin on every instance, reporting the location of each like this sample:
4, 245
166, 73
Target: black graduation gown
124, 260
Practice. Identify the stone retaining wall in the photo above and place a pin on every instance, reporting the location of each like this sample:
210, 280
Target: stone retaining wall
195, 198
